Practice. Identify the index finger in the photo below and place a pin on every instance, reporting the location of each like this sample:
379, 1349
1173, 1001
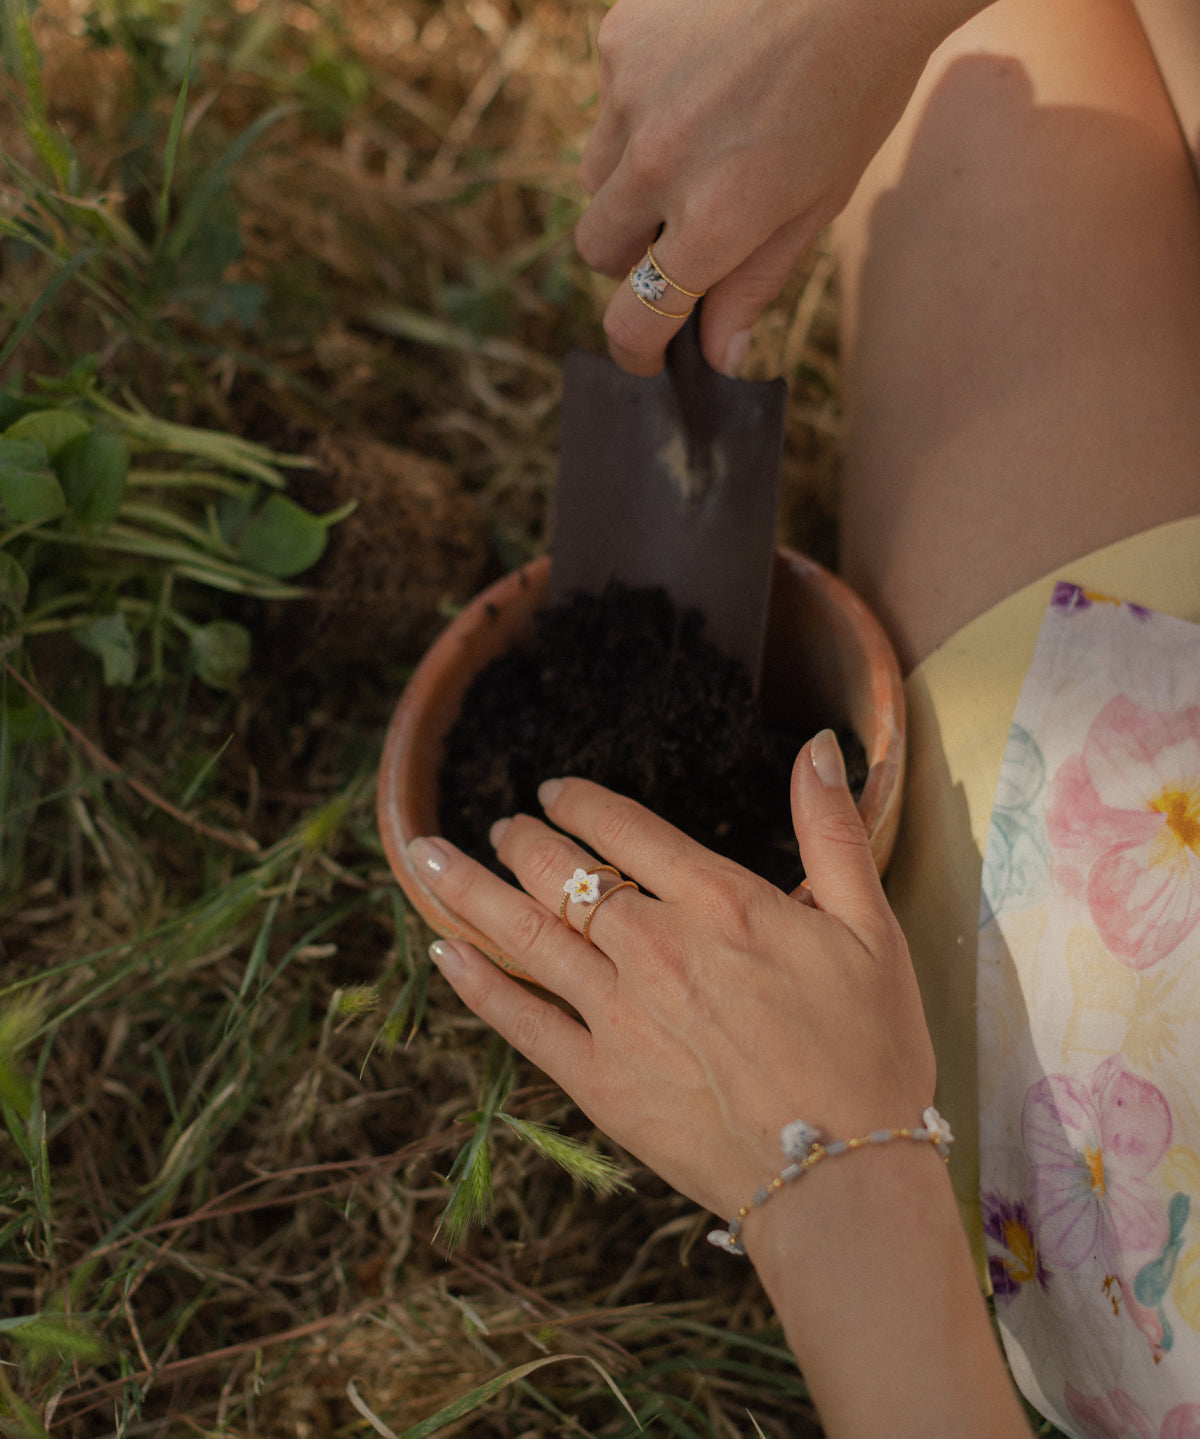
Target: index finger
640, 843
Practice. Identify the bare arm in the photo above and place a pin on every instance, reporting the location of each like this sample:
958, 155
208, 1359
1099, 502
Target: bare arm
871, 1276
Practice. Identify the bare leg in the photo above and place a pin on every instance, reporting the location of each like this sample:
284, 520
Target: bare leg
1022, 309
1173, 29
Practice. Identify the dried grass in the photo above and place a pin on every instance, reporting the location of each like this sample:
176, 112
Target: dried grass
244, 1192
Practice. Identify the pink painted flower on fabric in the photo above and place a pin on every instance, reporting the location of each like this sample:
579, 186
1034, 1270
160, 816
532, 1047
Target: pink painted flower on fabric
1108, 1416
1124, 819
1183, 1422
1090, 1147
1116, 1416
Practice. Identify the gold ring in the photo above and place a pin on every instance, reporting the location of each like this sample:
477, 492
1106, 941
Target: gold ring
608, 893
583, 888
691, 294
666, 314
649, 284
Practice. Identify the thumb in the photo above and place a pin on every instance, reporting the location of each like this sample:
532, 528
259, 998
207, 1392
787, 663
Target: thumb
735, 302
838, 862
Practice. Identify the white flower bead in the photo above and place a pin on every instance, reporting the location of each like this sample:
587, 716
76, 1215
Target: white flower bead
939, 1130
648, 280
584, 888
797, 1138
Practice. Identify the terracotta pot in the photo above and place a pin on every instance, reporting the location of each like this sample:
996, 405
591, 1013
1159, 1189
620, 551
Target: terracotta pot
826, 661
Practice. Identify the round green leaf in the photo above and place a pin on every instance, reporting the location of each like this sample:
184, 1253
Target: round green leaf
93, 468
110, 639
282, 539
221, 653
29, 490
52, 429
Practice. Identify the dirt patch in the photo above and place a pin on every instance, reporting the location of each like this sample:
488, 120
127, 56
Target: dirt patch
625, 690
415, 547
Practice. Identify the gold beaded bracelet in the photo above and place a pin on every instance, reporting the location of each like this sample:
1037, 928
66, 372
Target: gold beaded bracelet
804, 1147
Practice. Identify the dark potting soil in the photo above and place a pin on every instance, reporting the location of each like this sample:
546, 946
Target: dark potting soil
624, 690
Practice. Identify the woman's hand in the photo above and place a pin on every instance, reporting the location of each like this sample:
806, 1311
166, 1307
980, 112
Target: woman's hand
741, 127
716, 1007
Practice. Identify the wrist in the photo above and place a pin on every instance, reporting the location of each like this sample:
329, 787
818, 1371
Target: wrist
879, 1193
870, 1273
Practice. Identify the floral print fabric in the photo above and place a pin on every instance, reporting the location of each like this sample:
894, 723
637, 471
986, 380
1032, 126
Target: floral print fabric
1089, 1024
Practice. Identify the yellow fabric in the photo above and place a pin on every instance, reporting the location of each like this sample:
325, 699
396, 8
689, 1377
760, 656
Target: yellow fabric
960, 703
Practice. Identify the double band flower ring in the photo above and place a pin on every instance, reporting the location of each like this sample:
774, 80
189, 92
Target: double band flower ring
650, 282
584, 888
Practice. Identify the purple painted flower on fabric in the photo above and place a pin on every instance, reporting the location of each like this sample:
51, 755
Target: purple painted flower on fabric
1007, 1223
1124, 820
1090, 1147
1071, 598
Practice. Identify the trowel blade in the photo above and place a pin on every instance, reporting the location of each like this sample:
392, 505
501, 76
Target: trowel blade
671, 481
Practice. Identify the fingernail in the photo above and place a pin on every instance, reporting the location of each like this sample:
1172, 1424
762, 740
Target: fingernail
447, 957
496, 833
735, 353
429, 855
827, 759
548, 791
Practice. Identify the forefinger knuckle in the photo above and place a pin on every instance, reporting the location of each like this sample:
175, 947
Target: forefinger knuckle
531, 929
617, 825
589, 245
543, 864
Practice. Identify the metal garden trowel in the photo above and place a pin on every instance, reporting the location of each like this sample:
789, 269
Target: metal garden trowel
671, 481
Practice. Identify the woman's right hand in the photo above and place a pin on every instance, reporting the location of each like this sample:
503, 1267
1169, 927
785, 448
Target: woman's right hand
741, 127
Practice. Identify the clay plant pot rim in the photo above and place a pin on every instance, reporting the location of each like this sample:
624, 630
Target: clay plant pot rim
483, 620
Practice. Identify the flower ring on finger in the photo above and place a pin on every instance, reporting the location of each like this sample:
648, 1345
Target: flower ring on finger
584, 888
649, 282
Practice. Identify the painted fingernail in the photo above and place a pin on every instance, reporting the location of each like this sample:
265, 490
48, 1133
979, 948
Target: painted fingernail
447, 957
827, 759
548, 791
429, 855
496, 833
735, 353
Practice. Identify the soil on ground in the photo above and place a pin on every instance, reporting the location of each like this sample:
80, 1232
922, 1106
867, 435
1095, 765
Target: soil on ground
415, 546
625, 690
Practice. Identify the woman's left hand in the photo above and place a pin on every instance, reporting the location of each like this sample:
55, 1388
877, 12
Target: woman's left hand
715, 1008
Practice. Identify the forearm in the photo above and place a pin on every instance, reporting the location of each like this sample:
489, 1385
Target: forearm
870, 1273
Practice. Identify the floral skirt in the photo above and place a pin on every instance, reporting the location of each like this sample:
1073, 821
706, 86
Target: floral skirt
1047, 875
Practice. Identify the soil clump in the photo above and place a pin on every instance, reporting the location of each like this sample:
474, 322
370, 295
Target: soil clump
625, 690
